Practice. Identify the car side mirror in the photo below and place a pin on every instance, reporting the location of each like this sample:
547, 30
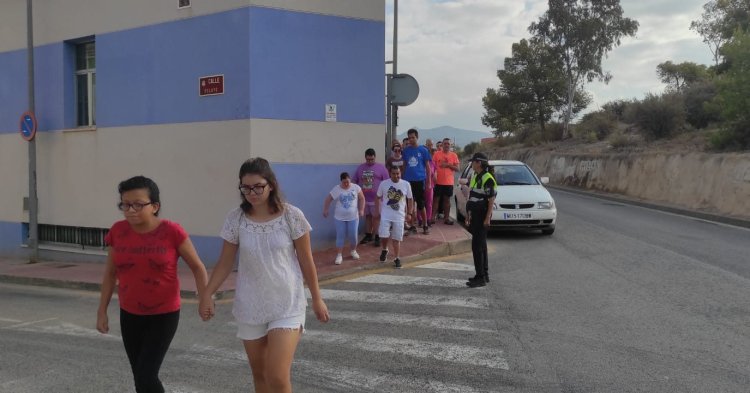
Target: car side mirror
463, 181
545, 180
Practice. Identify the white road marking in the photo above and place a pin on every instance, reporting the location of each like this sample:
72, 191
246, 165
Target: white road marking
10, 320
408, 280
69, 329
491, 358
18, 325
343, 378
403, 298
422, 321
214, 355
334, 376
462, 267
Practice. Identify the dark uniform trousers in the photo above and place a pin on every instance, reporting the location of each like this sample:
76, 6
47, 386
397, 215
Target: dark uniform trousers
479, 240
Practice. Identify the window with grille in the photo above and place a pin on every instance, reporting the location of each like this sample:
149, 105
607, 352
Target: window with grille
183, 3
83, 237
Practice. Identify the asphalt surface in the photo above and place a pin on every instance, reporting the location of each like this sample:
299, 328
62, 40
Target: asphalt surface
620, 299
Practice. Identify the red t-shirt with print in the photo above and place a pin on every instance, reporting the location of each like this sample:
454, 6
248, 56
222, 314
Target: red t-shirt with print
146, 267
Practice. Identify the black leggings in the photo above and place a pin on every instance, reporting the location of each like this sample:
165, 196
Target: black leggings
146, 339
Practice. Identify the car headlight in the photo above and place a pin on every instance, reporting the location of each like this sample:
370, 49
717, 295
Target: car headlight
546, 205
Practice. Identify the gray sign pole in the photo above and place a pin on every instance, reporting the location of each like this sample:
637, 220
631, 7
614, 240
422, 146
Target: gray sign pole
33, 203
394, 71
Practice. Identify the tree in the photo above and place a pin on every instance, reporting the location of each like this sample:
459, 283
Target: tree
734, 89
678, 76
582, 32
532, 89
718, 22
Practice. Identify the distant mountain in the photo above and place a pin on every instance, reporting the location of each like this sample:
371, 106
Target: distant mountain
459, 136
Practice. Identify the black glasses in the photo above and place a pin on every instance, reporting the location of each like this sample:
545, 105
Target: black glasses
256, 189
136, 206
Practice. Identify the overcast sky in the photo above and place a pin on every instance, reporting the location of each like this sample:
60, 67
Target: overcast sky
455, 47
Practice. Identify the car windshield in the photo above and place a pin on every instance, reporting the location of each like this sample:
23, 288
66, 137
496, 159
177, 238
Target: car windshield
514, 175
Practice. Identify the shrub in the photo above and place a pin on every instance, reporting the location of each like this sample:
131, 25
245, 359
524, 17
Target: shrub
616, 108
696, 96
658, 116
733, 136
553, 132
619, 140
471, 148
601, 123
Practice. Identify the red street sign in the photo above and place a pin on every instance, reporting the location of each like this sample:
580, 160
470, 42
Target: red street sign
27, 126
211, 85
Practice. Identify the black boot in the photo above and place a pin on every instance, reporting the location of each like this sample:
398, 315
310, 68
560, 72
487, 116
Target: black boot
479, 282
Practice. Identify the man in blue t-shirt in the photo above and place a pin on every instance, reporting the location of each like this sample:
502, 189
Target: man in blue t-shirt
417, 172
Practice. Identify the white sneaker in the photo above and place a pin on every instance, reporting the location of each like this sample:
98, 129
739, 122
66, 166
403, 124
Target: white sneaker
339, 259
355, 254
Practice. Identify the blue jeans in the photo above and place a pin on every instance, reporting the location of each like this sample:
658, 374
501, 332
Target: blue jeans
346, 229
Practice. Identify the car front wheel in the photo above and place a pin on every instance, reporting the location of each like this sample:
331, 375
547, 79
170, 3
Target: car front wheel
548, 231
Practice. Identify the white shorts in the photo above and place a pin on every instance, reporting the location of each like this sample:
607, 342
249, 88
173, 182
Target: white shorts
246, 331
391, 229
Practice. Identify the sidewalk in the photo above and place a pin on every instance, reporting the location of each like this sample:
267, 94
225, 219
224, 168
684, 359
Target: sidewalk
443, 240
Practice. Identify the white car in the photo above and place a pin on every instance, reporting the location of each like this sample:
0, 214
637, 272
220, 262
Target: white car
522, 201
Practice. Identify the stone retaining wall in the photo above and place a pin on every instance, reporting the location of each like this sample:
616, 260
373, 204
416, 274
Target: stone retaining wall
713, 183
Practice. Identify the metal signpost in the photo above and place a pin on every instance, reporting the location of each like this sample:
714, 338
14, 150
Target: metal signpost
28, 122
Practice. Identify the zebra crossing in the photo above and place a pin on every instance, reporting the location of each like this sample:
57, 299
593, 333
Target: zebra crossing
419, 330
411, 330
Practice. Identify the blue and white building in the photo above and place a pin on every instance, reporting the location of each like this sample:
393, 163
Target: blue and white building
117, 95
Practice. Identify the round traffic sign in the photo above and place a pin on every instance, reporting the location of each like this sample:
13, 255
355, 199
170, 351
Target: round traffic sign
404, 89
27, 126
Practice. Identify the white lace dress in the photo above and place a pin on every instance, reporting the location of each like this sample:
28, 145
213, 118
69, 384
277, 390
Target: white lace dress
269, 279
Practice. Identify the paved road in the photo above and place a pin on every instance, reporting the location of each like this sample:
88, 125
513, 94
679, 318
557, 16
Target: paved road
415, 329
628, 299
619, 299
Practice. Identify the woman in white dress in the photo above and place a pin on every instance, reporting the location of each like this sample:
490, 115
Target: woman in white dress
273, 242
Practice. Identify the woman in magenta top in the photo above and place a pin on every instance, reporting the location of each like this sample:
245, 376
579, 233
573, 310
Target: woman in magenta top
142, 260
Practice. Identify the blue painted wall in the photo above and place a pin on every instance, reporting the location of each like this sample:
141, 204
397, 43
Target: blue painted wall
150, 75
316, 60
53, 88
306, 186
276, 64
11, 237
13, 90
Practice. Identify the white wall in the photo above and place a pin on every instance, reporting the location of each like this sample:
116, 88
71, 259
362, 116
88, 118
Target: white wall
58, 20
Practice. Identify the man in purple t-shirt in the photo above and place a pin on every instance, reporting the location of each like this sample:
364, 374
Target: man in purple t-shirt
368, 177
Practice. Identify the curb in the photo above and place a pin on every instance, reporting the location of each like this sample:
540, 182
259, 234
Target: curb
48, 282
90, 286
739, 222
441, 250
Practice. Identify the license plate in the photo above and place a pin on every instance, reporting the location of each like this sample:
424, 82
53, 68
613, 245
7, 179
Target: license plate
516, 216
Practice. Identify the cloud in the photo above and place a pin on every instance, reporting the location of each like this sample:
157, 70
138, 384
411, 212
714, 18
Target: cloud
455, 47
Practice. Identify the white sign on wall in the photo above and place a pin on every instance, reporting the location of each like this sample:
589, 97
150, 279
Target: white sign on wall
331, 112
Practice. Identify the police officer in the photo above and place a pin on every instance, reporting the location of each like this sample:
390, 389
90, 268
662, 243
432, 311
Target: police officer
478, 214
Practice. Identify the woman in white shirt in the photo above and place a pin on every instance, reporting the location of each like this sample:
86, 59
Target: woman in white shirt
273, 242
350, 206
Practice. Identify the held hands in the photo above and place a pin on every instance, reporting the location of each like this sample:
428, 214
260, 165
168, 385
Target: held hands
206, 307
325, 213
321, 310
